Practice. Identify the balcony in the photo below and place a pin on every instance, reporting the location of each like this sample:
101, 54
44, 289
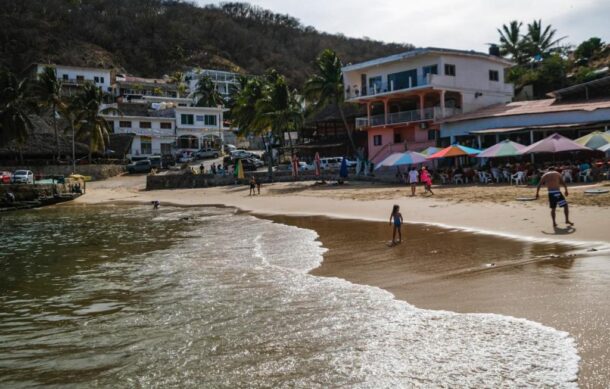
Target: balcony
432, 113
383, 87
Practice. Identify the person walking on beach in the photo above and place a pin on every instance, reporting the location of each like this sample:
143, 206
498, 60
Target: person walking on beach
427, 180
201, 169
252, 185
258, 186
553, 181
413, 178
396, 218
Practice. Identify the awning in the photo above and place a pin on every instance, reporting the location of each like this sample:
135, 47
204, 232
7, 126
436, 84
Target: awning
534, 128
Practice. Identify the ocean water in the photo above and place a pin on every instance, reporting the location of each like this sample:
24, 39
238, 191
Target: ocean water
118, 296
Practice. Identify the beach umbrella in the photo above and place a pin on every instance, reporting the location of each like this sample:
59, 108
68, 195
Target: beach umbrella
594, 140
455, 151
554, 144
400, 159
506, 148
605, 148
430, 150
316, 162
343, 170
239, 169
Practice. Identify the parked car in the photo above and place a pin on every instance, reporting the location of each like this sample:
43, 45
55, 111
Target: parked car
228, 148
350, 163
155, 161
23, 177
250, 164
186, 157
326, 163
238, 154
139, 167
207, 153
168, 160
5, 177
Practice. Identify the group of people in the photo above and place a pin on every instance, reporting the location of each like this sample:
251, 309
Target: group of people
255, 186
215, 169
414, 176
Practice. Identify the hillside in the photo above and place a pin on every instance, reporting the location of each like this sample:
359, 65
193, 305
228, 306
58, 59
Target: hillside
156, 37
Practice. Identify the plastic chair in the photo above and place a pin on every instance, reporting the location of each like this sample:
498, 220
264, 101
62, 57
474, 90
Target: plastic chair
485, 178
506, 175
585, 176
458, 179
518, 178
497, 176
444, 178
567, 176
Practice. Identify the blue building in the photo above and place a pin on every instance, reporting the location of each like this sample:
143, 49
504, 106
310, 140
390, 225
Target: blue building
573, 112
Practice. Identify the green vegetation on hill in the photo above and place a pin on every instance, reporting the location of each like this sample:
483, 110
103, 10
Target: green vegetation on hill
156, 37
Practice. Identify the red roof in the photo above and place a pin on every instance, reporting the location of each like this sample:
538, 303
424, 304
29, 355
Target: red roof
530, 107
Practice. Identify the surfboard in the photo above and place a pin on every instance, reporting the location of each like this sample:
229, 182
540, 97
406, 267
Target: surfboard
596, 191
525, 198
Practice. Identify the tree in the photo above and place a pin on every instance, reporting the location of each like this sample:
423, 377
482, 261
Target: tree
326, 87
16, 104
179, 79
589, 49
48, 91
206, 93
91, 125
540, 41
512, 42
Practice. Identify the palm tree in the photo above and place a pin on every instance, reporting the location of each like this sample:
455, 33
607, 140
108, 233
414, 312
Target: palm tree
71, 112
539, 41
90, 124
48, 90
326, 87
179, 79
16, 104
512, 42
206, 93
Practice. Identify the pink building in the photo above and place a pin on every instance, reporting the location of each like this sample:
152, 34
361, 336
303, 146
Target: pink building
407, 95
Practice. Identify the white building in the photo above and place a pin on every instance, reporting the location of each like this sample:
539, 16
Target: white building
223, 80
197, 127
406, 95
74, 76
153, 135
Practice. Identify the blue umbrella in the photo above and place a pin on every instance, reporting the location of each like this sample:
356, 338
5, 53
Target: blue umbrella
343, 170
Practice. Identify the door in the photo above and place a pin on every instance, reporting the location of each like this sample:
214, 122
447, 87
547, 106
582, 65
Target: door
402, 80
363, 84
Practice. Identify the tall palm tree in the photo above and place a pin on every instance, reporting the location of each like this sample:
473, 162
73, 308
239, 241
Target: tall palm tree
91, 125
179, 78
206, 93
512, 42
539, 40
16, 104
326, 87
48, 90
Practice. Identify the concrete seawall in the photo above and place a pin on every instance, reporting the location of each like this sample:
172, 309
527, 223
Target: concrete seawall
97, 172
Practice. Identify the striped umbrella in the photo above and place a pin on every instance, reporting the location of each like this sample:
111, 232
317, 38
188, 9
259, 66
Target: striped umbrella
594, 140
430, 150
455, 151
400, 159
316, 162
506, 148
554, 144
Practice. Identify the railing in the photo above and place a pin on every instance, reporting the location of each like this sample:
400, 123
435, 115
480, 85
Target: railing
382, 87
432, 113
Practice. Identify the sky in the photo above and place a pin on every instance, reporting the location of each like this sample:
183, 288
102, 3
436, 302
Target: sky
456, 24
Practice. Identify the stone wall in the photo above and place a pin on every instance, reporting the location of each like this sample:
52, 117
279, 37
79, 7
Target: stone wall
26, 192
97, 172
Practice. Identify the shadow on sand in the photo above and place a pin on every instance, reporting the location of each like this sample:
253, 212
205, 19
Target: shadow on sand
561, 231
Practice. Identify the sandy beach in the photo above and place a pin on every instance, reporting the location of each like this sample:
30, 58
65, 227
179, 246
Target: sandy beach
516, 264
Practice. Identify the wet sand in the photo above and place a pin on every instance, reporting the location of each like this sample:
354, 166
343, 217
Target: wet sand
561, 286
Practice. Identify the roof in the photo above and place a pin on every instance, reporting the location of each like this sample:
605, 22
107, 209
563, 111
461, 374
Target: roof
425, 51
43, 145
331, 113
600, 87
544, 127
529, 108
52, 65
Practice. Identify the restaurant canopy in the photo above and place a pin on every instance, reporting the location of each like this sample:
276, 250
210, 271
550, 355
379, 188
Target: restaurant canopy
455, 151
506, 148
554, 144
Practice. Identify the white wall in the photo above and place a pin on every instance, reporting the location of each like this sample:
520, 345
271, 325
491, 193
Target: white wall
88, 75
157, 134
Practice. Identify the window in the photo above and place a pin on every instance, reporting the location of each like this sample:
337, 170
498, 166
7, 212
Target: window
397, 137
403, 80
210, 120
449, 70
145, 125
375, 84
494, 75
186, 119
80, 79
431, 134
166, 125
432, 69
102, 80
96, 79
199, 118
166, 148
65, 77
123, 124
376, 140
145, 145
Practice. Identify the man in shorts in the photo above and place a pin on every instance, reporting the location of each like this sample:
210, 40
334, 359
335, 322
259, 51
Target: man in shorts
553, 181
413, 178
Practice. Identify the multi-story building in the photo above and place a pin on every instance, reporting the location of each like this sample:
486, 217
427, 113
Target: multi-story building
407, 95
223, 80
198, 127
133, 88
74, 76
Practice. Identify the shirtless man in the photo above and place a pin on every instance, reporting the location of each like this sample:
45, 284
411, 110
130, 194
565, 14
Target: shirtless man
553, 181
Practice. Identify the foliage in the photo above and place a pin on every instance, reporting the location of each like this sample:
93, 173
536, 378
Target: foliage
16, 105
155, 37
206, 93
48, 93
540, 41
511, 41
90, 125
589, 49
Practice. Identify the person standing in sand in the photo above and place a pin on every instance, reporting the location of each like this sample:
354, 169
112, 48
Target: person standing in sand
413, 178
426, 179
553, 181
252, 185
396, 218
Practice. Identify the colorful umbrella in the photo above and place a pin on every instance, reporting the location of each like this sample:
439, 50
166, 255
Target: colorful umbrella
430, 150
316, 162
455, 151
506, 148
343, 170
605, 148
400, 159
239, 169
553, 144
594, 140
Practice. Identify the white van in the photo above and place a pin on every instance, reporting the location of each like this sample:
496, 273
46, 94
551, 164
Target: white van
326, 164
